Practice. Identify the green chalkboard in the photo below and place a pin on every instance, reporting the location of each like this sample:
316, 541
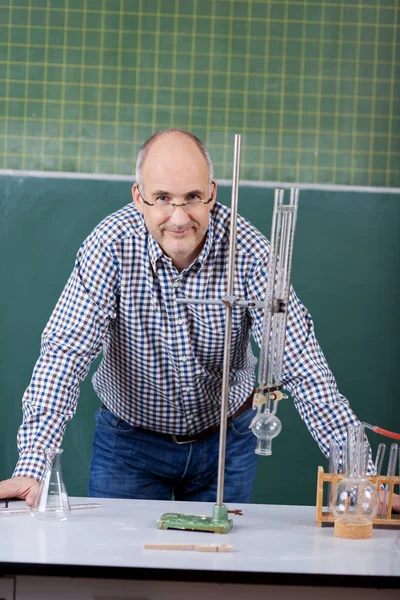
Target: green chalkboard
313, 86
346, 271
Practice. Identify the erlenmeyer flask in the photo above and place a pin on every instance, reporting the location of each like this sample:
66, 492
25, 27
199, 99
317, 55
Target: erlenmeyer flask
51, 501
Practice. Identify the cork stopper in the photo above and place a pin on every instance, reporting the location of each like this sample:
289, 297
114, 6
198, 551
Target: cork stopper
355, 529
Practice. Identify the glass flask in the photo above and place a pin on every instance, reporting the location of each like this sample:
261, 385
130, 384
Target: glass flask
51, 501
265, 427
354, 499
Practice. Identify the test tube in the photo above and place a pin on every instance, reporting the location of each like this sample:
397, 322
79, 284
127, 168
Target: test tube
355, 437
345, 469
333, 464
399, 486
380, 454
333, 457
394, 449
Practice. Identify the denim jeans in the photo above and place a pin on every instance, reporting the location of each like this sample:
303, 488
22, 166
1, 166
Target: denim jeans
128, 462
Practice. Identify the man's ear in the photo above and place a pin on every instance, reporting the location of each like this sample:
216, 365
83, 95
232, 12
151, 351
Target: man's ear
137, 198
213, 193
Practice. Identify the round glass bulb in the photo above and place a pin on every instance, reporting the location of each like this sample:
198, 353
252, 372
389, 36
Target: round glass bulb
265, 427
354, 499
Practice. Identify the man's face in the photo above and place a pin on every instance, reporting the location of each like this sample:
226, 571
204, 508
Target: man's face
175, 168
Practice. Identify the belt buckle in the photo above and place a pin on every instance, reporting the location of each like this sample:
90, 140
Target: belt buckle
174, 439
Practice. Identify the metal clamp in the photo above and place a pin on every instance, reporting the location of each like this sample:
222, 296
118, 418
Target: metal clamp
260, 397
229, 301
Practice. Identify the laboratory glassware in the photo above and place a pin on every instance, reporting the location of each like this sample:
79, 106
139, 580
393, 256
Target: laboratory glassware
394, 450
266, 425
333, 463
51, 502
380, 454
354, 499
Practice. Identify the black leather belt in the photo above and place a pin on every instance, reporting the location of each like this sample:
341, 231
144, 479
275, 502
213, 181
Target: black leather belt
187, 439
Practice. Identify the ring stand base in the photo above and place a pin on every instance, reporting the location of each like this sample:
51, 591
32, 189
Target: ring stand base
218, 523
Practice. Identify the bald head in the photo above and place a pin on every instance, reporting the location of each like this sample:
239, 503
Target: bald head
175, 149
173, 172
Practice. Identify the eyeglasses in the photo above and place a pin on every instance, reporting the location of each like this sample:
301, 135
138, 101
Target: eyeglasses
167, 206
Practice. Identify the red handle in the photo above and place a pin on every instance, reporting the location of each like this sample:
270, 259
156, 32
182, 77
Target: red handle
385, 432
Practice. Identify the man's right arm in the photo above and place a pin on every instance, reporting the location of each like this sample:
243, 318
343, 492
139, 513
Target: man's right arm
71, 340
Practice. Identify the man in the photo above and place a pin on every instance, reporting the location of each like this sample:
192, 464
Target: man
160, 377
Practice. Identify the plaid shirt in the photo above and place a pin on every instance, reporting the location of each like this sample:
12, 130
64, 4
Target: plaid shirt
162, 361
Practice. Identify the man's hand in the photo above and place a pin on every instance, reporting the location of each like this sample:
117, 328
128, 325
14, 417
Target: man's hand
19, 487
395, 504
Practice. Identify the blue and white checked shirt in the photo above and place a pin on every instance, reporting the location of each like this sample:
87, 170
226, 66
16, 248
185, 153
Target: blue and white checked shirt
162, 362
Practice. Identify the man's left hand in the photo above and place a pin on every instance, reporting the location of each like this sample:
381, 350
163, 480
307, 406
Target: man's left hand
395, 504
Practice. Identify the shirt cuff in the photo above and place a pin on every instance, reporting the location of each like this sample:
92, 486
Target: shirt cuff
30, 465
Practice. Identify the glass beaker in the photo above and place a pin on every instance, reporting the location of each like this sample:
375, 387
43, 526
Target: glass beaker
354, 499
51, 501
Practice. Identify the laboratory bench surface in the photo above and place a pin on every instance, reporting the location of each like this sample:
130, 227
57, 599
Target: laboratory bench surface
273, 545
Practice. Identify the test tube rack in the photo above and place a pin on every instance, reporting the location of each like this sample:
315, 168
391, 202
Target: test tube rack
325, 517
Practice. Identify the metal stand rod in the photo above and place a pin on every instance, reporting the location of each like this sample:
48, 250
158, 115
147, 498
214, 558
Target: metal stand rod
228, 324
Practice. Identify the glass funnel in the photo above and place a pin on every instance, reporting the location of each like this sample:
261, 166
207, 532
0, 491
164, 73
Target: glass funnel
354, 499
51, 501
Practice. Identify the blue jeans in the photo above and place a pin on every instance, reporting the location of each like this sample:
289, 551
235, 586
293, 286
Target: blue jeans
128, 462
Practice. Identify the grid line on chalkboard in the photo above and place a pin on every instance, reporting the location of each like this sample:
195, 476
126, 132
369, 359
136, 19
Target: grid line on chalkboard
282, 93
136, 87
373, 96
392, 156
261, 171
228, 83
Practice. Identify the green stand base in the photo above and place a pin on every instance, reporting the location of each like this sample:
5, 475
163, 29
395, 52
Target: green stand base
218, 523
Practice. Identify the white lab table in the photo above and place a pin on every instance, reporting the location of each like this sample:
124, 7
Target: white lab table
98, 554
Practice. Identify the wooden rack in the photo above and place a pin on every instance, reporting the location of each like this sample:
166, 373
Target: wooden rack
326, 517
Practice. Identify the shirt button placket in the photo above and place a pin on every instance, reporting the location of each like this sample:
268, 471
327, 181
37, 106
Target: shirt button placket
185, 373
